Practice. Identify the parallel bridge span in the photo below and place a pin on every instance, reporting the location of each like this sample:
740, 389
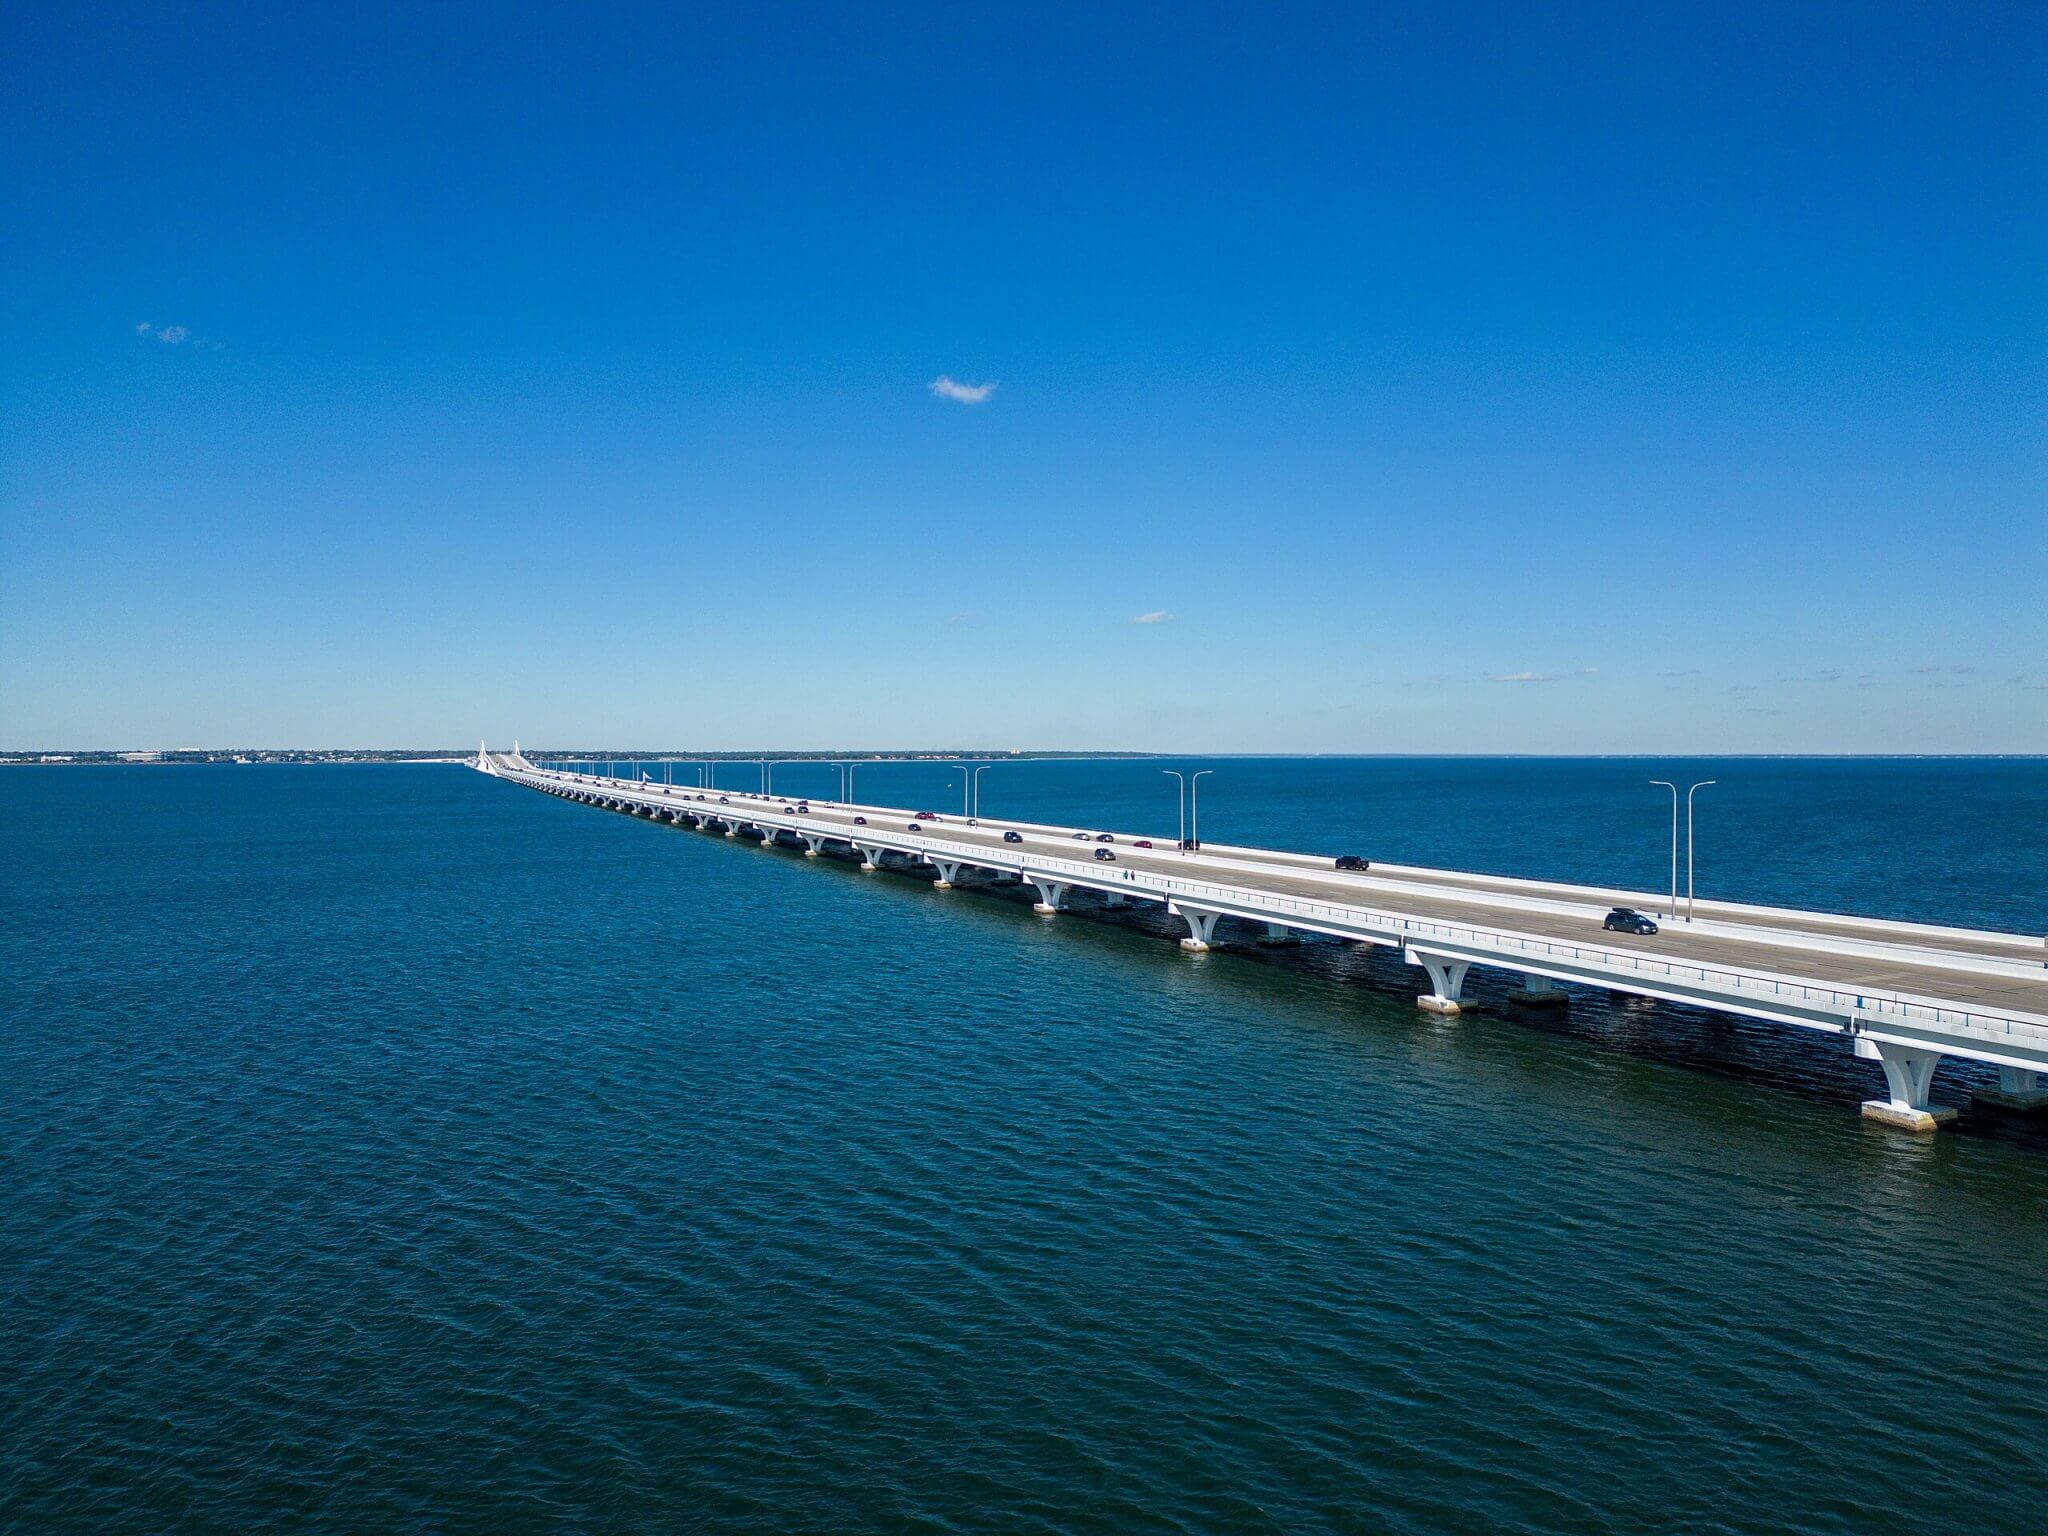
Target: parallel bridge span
1904, 994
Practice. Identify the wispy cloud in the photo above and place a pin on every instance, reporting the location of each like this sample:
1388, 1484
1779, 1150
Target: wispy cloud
170, 335
1522, 677
959, 618
1686, 672
1589, 671
1957, 671
947, 388
1156, 616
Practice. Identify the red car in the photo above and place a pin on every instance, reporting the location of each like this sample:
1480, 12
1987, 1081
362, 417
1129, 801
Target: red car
1143, 842
926, 816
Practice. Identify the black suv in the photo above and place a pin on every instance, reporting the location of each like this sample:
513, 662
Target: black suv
1353, 861
1628, 920
1013, 837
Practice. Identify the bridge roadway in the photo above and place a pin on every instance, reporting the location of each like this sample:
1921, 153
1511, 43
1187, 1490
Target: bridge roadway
1906, 994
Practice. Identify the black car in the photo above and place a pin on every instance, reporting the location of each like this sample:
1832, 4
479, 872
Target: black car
1013, 837
911, 826
860, 821
1352, 861
1628, 920
1104, 837
1105, 856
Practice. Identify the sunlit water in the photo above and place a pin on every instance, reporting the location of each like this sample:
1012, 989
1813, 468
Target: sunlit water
391, 1148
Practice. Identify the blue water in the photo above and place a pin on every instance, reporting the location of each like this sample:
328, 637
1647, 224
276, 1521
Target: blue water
395, 1149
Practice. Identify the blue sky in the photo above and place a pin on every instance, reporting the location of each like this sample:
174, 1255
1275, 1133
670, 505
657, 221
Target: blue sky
1435, 378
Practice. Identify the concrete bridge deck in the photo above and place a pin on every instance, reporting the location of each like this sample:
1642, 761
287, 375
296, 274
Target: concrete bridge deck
1905, 994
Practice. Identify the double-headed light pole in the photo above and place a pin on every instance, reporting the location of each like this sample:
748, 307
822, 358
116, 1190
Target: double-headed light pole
1689, 793
1190, 809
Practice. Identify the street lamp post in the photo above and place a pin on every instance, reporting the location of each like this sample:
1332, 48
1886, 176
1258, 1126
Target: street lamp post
1703, 783
1181, 800
977, 788
1667, 784
966, 791
1194, 806
841, 768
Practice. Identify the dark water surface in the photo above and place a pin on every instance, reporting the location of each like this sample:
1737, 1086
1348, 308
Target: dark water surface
395, 1149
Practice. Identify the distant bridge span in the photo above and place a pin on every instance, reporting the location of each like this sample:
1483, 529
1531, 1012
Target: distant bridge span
1904, 994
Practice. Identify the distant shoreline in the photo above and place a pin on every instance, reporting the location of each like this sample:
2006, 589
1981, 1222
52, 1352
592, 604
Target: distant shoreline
316, 759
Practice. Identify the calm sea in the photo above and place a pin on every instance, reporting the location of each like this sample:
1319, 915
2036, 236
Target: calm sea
395, 1149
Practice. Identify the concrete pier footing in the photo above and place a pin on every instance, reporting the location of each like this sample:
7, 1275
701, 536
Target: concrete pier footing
1908, 1073
1446, 978
1051, 894
1538, 992
2018, 1092
1279, 933
1903, 1117
1201, 926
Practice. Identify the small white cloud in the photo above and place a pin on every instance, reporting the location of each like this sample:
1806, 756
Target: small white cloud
967, 394
1522, 677
1156, 616
170, 335
142, 329
1589, 671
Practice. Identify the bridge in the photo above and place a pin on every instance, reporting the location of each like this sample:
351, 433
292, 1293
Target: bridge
1903, 995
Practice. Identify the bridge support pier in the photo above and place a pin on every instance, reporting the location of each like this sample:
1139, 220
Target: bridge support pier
1279, 933
1908, 1073
1446, 981
949, 874
870, 856
1114, 899
2018, 1089
1201, 926
732, 829
767, 835
813, 846
1050, 894
1538, 992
